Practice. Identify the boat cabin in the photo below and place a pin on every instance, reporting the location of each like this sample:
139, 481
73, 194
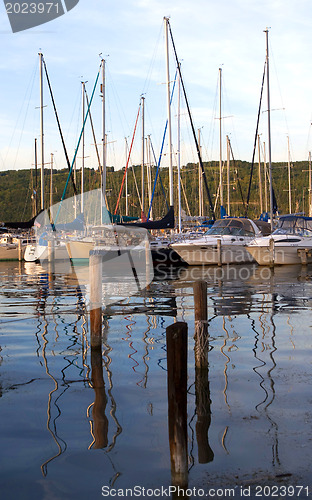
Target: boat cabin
294, 224
233, 226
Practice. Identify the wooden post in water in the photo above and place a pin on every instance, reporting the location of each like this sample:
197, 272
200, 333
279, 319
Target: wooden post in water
176, 338
202, 390
271, 252
201, 325
219, 252
95, 277
20, 250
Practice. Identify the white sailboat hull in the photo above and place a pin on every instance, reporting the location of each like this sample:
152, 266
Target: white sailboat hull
36, 253
8, 252
79, 250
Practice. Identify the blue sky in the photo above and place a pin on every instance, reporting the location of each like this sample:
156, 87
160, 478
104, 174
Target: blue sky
130, 35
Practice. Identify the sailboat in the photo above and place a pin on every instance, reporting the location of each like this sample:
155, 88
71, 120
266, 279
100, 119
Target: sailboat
97, 221
291, 242
162, 247
39, 250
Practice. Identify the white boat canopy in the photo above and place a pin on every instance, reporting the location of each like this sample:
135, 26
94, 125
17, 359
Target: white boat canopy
234, 226
294, 224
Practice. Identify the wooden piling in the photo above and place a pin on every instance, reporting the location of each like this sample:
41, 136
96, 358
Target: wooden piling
271, 251
202, 389
95, 277
219, 252
19, 249
304, 253
201, 325
176, 338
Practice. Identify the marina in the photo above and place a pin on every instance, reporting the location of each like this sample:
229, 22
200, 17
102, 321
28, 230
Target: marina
75, 421
155, 292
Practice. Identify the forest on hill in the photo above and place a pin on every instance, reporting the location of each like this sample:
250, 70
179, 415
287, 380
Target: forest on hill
18, 189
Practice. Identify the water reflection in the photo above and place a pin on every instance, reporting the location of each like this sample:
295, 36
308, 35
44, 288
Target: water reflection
264, 350
257, 294
110, 403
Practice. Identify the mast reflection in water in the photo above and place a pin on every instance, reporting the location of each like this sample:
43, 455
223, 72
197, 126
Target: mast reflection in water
75, 419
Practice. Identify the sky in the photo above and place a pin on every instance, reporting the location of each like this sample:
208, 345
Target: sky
129, 34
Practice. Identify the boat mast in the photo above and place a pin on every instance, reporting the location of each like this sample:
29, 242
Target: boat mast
289, 179
310, 186
127, 209
211, 208
36, 180
220, 143
103, 176
51, 186
179, 154
228, 174
166, 21
265, 178
200, 182
83, 145
269, 126
41, 129
149, 173
143, 154
260, 176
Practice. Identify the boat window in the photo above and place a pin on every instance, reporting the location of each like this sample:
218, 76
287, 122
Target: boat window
234, 227
300, 226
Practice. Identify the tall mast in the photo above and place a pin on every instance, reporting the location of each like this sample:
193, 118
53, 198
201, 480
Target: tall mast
289, 178
51, 184
36, 180
265, 178
166, 21
260, 176
149, 173
41, 129
83, 145
310, 186
127, 209
179, 154
269, 127
199, 178
220, 139
143, 154
103, 176
228, 174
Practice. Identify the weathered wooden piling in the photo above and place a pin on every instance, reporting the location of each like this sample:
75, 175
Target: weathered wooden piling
176, 338
304, 253
95, 277
272, 252
201, 325
19, 249
219, 252
202, 390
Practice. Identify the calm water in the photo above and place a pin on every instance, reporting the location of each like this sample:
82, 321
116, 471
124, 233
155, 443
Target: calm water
63, 439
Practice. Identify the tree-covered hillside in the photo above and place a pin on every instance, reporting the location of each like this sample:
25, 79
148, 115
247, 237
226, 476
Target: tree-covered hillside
18, 188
